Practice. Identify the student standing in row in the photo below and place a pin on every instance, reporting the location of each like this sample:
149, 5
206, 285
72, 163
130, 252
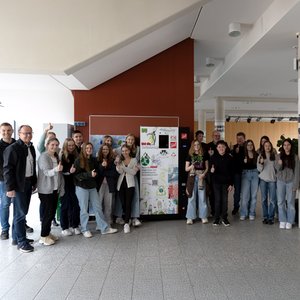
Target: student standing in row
287, 165
86, 192
50, 185
197, 166
222, 172
267, 175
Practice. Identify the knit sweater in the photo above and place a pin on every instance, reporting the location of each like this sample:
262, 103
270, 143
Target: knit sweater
266, 169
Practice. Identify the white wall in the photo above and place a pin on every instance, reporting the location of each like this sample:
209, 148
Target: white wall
36, 107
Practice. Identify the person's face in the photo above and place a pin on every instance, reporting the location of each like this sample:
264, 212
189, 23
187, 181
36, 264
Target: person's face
52, 147
262, 141
6, 132
287, 147
130, 140
125, 152
200, 137
250, 146
221, 149
89, 150
196, 146
78, 138
25, 134
267, 147
108, 141
70, 146
216, 136
105, 151
240, 140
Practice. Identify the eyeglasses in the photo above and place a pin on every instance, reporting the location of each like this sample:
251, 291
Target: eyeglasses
26, 133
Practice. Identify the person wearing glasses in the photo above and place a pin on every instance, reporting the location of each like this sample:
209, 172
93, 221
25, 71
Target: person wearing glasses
20, 178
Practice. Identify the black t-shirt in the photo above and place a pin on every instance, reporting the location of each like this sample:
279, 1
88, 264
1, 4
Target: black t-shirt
198, 161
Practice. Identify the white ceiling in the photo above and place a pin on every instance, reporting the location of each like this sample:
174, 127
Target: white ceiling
253, 73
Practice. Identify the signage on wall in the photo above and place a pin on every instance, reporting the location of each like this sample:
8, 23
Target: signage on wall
79, 123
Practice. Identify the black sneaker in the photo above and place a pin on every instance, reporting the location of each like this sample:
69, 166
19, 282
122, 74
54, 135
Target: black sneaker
28, 229
235, 211
54, 223
4, 235
26, 248
216, 222
270, 222
265, 221
225, 222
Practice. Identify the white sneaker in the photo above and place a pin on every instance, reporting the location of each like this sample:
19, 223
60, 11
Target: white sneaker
189, 222
53, 237
282, 225
288, 226
242, 218
136, 222
77, 231
120, 221
126, 228
110, 230
87, 234
251, 218
66, 232
47, 241
204, 220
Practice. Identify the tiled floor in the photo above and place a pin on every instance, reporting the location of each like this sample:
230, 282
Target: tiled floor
160, 260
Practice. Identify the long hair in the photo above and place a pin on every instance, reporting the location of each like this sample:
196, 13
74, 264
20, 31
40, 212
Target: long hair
132, 147
253, 151
288, 161
272, 154
125, 146
192, 150
110, 155
54, 139
83, 159
64, 151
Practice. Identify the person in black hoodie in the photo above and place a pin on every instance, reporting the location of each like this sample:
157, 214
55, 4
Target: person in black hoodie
221, 168
6, 132
108, 177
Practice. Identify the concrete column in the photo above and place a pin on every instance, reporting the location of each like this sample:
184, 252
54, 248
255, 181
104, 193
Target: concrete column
298, 57
220, 116
202, 122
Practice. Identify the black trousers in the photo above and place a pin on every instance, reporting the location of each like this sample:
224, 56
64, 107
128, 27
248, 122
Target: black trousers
48, 204
69, 210
126, 196
221, 200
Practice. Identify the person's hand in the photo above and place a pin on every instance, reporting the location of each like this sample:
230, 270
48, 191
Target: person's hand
237, 149
279, 162
73, 169
230, 188
245, 160
94, 173
192, 168
59, 168
212, 169
49, 127
211, 152
201, 176
11, 194
136, 168
117, 160
261, 160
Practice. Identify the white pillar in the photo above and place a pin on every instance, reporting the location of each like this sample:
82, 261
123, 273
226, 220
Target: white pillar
220, 116
202, 122
298, 57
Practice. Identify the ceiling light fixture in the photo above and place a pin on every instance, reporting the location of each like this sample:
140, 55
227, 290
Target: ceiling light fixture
272, 121
258, 119
249, 120
209, 62
234, 29
228, 119
237, 119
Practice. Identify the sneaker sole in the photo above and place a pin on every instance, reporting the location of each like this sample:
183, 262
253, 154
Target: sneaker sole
25, 251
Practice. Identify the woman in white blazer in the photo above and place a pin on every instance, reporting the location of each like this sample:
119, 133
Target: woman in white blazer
127, 168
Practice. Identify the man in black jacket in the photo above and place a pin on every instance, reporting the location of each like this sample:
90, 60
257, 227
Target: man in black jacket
6, 133
20, 178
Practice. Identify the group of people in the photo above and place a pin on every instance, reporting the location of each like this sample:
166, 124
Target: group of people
72, 175
214, 170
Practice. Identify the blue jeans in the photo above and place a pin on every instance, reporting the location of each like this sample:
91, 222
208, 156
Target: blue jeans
249, 192
21, 205
135, 205
199, 195
268, 190
237, 182
4, 207
86, 197
286, 201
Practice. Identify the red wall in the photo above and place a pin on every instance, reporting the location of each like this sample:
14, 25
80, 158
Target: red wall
161, 86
